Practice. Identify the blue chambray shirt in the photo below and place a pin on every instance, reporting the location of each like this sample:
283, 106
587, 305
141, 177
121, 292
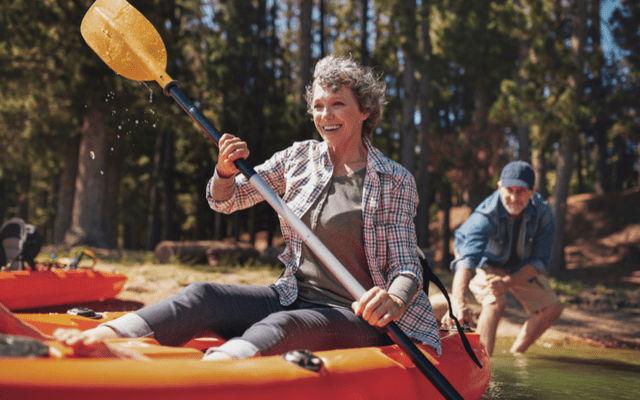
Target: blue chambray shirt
300, 174
485, 237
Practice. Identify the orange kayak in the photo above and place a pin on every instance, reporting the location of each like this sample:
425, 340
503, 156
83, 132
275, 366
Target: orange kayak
31, 289
177, 373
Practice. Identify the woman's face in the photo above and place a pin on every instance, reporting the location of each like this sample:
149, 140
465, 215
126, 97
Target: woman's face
337, 116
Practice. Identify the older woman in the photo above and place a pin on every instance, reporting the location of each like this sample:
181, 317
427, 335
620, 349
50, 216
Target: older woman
357, 201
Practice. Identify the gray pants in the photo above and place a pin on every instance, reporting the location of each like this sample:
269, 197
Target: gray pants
255, 315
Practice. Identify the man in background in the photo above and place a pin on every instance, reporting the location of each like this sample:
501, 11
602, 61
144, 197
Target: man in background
505, 246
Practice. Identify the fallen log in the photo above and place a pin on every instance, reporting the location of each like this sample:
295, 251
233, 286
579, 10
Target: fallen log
204, 251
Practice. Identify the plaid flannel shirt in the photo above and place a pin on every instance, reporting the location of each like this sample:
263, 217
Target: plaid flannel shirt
300, 174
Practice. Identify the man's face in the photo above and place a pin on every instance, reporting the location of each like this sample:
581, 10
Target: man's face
514, 198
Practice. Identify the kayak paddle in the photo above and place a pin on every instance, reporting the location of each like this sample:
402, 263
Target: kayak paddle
129, 44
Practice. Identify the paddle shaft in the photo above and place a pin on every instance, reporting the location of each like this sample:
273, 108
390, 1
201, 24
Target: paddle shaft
315, 245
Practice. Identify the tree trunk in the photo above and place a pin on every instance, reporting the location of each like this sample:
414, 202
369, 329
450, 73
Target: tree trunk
422, 216
170, 230
364, 33
153, 213
524, 142
66, 189
445, 206
480, 105
478, 186
409, 87
540, 167
87, 215
603, 171
111, 200
569, 139
580, 166
217, 226
3, 201
24, 189
321, 29
304, 41
564, 171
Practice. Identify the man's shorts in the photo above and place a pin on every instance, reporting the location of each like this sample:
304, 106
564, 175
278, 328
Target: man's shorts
534, 294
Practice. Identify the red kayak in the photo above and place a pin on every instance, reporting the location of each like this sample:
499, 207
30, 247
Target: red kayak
172, 373
32, 289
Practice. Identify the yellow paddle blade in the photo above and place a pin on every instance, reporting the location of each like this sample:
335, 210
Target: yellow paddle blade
126, 41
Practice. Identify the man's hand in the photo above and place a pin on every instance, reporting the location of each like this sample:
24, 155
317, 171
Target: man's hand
497, 285
464, 314
378, 307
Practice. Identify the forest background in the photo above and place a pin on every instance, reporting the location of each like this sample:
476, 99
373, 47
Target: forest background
93, 159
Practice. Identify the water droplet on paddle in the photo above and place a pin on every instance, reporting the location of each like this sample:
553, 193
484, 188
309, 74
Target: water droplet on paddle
92, 154
101, 172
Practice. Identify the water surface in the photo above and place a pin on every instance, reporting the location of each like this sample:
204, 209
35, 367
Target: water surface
564, 371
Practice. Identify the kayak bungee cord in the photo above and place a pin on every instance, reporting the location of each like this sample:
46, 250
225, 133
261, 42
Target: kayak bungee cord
129, 44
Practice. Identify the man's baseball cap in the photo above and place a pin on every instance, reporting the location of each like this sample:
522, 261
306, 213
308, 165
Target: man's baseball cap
518, 173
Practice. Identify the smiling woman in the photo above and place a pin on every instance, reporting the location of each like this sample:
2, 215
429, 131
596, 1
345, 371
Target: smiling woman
348, 193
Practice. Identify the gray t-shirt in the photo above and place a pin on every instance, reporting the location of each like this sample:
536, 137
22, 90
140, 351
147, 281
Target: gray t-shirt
336, 219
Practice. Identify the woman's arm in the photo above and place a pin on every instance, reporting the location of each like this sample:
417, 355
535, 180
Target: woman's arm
229, 193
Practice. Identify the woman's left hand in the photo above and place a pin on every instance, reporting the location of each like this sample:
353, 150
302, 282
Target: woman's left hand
378, 307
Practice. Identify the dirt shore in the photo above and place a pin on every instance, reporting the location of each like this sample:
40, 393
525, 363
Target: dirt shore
611, 323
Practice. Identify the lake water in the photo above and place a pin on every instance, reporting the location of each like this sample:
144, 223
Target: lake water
566, 371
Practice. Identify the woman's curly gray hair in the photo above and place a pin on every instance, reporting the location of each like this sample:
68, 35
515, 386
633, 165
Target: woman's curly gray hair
369, 90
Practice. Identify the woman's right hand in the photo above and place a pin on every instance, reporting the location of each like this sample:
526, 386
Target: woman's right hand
77, 338
231, 148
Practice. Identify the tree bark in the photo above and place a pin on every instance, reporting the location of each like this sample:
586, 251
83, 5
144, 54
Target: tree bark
569, 140
170, 230
409, 87
422, 216
564, 171
24, 189
112, 199
153, 213
540, 167
322, 29
304, 42
364, 33
87, 215
445, 206
66, 189
603, 170
522, 129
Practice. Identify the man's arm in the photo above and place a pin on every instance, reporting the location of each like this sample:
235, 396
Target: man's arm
461, 309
